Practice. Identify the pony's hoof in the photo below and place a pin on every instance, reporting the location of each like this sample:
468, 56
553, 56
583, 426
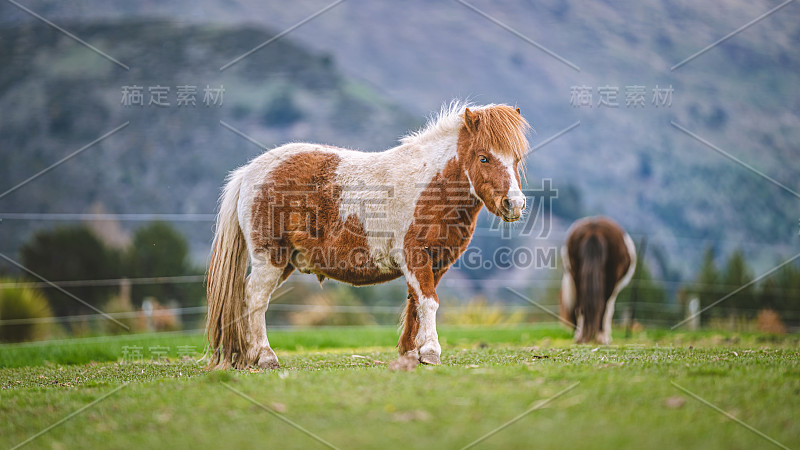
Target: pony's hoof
430, 358
268, 361
268, 364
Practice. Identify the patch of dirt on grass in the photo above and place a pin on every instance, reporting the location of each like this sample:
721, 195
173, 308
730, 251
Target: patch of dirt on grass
409, 416
405, 363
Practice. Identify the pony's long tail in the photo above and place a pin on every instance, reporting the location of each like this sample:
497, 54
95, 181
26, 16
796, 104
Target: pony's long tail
591, 297
226, 325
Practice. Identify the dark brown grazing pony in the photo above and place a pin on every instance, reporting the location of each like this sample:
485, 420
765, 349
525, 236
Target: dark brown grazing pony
599, 260
361, 218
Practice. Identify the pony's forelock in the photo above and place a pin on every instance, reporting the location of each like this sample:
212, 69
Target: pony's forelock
501, 128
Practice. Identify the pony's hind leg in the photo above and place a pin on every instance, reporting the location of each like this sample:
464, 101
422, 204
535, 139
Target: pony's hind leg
262, 281
604, 335
567, 296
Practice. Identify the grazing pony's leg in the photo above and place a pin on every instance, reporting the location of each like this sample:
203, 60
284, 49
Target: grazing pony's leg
262, 281
604, 337
566, 304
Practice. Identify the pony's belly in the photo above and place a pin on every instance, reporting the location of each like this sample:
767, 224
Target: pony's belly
354, 267
362, 276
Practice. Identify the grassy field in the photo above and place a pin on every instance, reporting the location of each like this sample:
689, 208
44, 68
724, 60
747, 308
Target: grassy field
515, 388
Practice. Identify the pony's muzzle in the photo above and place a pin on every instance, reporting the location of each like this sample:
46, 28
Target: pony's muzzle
511, 208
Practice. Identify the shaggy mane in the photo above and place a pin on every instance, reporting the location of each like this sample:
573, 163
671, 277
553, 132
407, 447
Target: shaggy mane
500, 127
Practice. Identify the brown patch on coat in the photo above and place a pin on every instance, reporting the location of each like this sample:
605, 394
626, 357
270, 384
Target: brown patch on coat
296, 223
444, 220
443, 224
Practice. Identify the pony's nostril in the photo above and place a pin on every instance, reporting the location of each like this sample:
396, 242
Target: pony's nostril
506, 204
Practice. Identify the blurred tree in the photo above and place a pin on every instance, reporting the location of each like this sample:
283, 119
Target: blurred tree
71, 253
650, 290
781, 292
653, 303
569, 203
770, 295
159, 250
706, 286
281, 110
790, 284
738, 274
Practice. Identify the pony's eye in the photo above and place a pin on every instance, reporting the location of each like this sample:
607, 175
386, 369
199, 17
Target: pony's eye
484, 159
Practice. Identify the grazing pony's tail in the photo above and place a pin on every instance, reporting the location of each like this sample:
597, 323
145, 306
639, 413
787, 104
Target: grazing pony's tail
591, 297
226, 325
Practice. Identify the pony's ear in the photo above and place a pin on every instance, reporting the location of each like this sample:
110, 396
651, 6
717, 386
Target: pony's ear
471, 120
519, 112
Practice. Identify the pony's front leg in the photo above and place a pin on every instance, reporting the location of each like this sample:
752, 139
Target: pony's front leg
422, 285
407, 344
567, 299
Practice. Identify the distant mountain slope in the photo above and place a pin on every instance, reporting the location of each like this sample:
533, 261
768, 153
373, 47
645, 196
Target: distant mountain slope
743, 96
57, 96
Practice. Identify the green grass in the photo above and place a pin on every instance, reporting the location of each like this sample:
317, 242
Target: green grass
103, 349
335, 384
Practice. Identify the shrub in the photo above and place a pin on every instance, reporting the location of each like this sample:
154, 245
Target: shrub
769, 321
123, 312
159, 250
324, 313
22, 303
478, 312
159, 318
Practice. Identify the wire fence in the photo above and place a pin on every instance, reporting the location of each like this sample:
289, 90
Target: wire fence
649, 314
649, 310
658, 284
103, 282
482, 230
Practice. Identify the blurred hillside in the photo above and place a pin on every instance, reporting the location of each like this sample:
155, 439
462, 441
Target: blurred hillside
57, 97
364, 72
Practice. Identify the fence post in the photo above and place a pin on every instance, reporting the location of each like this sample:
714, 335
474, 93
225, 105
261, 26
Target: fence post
693, 314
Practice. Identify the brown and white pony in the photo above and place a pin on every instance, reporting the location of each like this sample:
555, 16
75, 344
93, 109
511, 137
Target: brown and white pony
599, 260
360, 218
